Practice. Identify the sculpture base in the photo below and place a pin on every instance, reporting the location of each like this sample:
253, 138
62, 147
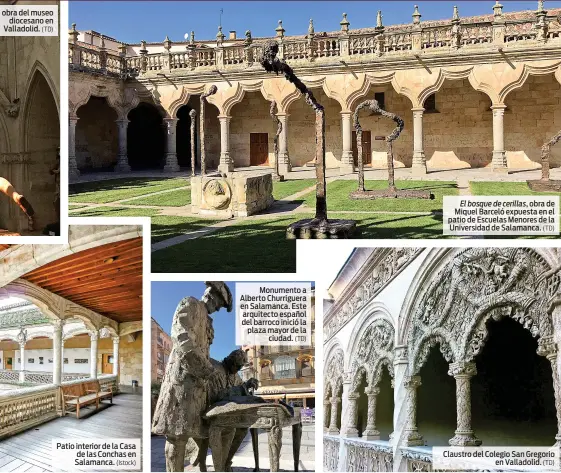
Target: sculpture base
545, 185
414, 439
464, 440
278, 178
314, 229
391, 194
234, 195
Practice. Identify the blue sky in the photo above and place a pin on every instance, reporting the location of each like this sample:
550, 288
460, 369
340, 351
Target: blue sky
132, 22
166, 296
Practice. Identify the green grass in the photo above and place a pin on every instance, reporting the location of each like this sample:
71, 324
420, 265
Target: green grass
178, 198
248, 246
504, 188
76, 206
338, 196
115, 212
282, 190
102, 192
164, 226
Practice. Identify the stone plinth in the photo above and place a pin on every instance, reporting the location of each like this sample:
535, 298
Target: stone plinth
313, 229
545, 185
232, 195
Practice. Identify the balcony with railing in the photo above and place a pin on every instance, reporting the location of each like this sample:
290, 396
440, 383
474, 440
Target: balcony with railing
487, 33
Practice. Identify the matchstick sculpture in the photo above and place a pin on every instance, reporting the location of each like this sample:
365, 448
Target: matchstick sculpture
213, 89
392, 191
545, 184
193, 115
320, 226
278, 123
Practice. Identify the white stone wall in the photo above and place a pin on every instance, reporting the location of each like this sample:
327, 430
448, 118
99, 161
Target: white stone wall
71, 353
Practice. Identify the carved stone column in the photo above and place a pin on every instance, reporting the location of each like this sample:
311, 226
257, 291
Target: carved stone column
419, 163
352, 413
412, 437
499, 157
57, 352
462, 372
333, 430
226, 164
122, 158
326, 414
73, 171
62, 359
116, 355
93, 354
22, 363
284, 160
347, 162
371, 433
549, 348
171, 156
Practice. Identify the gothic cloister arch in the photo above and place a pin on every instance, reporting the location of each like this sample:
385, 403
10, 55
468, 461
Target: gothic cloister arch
456, 293
146, 135
333, 376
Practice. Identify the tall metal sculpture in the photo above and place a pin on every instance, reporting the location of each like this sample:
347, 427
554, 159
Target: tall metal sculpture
545, 184
392, 191
320, 226
213, 89
192, 116
278, 123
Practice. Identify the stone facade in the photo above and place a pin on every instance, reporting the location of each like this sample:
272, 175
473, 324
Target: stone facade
428, 348
474, 92
160, 345
29, 127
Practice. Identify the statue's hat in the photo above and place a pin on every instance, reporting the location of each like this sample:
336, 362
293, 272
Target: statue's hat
221, 288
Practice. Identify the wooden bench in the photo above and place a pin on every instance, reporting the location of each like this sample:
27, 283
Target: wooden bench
83, 394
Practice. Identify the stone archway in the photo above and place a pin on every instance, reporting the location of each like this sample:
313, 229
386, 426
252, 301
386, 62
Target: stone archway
334, 380
146, 137
96, 135
41, 142
463, 291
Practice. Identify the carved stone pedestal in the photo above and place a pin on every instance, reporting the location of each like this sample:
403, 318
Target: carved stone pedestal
234, 195
545, 185
309, 229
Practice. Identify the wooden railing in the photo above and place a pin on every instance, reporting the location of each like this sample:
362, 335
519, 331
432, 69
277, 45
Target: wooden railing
21, 409
444, 38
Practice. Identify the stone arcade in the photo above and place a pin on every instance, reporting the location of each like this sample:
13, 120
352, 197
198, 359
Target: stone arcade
495, 78
29, 127
437, 347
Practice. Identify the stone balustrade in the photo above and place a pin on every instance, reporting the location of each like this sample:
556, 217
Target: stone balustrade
37, 377
417, 459
483, 34
368, 456
21, 409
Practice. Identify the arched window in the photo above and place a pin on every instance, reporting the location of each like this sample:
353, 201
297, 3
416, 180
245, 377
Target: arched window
285, 367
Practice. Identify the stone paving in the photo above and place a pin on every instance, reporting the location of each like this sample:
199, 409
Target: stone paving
243, 460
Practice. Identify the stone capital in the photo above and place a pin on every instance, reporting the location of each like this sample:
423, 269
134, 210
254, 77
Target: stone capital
335, 400
462, 369
547, 347
116, 339
373, 391
72, 119
498, 109
94, 336
58, 324
353, 396
412, 382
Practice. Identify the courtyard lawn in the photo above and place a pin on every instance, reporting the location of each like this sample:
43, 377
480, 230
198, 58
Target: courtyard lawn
164, 226
115, 212
338, 196
281, 190
256, 245
504, 188
103, 192
178, 198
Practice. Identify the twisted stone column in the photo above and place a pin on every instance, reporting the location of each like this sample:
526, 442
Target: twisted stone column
462, 372
351, 430
122, 158
412, 436
333, 423
499, 163
419, 164
93, 354
284, 160
326, 414
171, 155
371, 433
192, 116
73, 171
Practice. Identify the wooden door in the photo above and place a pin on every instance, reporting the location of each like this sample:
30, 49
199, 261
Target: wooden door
8, 360
366, 148
107, 364
258, 149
